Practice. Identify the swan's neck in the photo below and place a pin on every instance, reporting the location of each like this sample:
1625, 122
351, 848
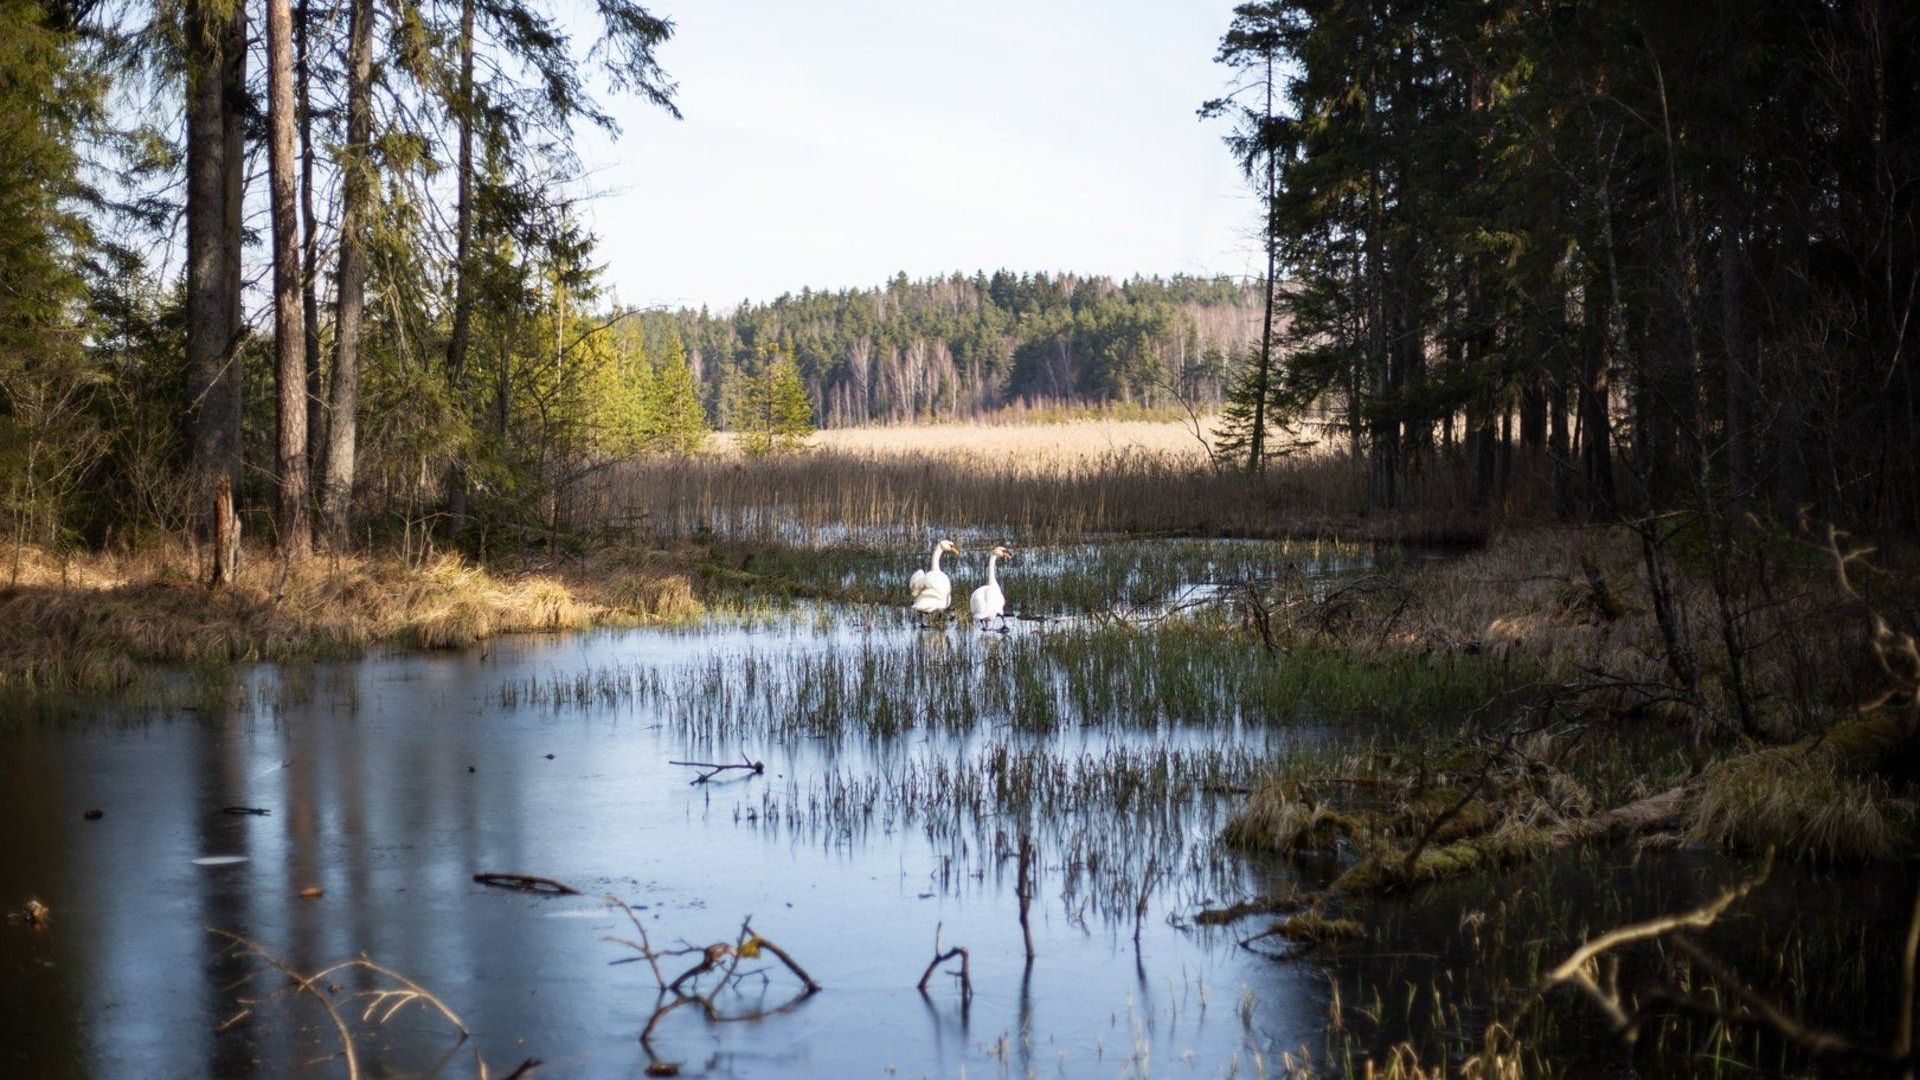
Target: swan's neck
991, 560
936, 559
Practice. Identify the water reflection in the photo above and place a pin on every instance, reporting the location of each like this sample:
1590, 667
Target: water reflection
389, 782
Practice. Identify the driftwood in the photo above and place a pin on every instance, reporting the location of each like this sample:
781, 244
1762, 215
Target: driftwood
721, 960
526, 883
1733, 1003
965, 974
755, 768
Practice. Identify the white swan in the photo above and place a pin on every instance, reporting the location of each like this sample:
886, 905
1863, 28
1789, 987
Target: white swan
988, 602
931, 588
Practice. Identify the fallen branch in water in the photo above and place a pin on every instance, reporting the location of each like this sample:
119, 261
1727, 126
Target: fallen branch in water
1279, 904
714, 769
721, 959
965, 974
526, 883
1733, 1003
524, 1068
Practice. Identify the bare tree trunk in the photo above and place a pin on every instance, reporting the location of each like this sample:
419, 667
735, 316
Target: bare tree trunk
216, 79
226, 536
457, 342
336, 496
310, 247
289, 334
1257, 441
1736, 351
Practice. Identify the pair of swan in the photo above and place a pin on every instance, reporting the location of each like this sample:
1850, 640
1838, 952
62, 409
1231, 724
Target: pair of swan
932, 589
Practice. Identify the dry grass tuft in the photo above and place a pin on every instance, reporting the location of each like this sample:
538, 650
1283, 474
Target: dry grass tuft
93, 623
1316, 928
1278, 820
1800, 803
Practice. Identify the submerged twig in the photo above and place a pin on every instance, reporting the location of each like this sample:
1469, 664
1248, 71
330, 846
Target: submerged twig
526, 883
714, 769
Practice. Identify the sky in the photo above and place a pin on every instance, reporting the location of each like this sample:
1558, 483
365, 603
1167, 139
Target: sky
834, 143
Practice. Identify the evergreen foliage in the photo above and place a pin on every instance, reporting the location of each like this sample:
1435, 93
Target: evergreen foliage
771, 411
958, 346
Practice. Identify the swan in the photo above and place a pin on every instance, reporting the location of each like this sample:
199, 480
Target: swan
988, 602
931, 588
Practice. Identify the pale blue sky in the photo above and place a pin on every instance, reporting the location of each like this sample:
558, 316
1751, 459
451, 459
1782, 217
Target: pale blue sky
832, 144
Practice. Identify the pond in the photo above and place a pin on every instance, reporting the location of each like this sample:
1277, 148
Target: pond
333, 810
387, 783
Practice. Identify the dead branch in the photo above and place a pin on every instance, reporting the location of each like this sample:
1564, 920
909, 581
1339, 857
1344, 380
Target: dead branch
1750, 1008
1580, 969
939, 957
525, 1067
755, 768
644, 946
526, 883
722, 960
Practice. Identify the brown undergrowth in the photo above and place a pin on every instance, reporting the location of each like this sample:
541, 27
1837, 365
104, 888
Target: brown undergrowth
1604, 742
95, 623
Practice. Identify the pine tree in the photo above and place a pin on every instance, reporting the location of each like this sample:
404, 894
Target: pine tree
774, 408
676, 422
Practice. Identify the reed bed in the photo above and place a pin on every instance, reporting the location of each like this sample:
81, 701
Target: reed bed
831, 497
1067, 678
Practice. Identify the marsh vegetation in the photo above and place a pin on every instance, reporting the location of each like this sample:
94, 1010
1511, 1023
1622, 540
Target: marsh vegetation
1322, 803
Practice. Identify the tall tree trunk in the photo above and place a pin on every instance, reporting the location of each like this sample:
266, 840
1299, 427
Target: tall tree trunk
216, 87
1602, 293
457, 342
1596, 457
350, 284
1736, 348
1559, 430
1257, 442
1533, 410
289, 332
310, 247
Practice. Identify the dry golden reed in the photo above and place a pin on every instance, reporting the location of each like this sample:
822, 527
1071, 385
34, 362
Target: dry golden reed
1034, 482
92, 623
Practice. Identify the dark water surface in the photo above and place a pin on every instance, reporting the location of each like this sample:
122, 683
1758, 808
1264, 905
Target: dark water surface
390, 781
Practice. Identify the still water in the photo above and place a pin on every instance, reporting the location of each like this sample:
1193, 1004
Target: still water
390, 781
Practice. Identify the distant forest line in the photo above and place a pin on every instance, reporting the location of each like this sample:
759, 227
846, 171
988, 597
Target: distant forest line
960, 347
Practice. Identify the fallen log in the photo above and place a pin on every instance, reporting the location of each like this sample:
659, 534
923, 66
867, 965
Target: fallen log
526, 883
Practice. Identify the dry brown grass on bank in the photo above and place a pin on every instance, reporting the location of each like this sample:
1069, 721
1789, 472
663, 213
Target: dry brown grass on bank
93, 622
1836, 789
1531, 596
